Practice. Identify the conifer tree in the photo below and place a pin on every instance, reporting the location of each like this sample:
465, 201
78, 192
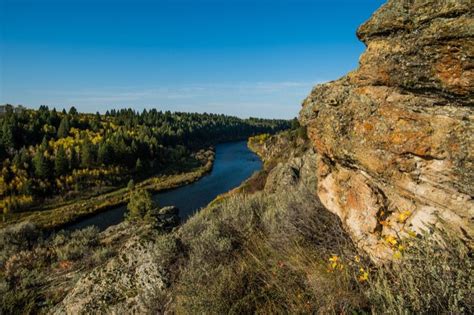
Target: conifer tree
73, 111
8, 134
138, 165
74, 162
61, 162
140, 204
41, 165
105, 154
63, 129
87, 154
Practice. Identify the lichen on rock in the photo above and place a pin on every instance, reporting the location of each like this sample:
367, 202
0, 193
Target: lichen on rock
396, 135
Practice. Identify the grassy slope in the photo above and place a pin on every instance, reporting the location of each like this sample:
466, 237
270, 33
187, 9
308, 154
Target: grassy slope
254, 251
261, 252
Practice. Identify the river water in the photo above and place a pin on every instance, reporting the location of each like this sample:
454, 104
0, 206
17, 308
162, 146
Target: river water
233, 164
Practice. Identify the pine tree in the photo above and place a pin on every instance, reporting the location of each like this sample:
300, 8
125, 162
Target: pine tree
96, 122
138, 165
53, 117
140, 204
44, 144
73, 111
17, 160
8, 135
61, 162
64, 127
41, 165
295, 124
87, 154
105, 154
24, 158
74, 162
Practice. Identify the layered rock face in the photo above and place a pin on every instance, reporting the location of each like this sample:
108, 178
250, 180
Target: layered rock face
395, 137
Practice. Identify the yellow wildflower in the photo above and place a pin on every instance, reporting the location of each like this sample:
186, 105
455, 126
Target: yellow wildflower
335, 263
364, 275
391, 240
403, 216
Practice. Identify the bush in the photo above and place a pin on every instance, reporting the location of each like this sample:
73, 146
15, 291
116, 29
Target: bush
24, 275
168, 249
285, 254
75, 245
101, 254
16, 238
433, 277
30, 281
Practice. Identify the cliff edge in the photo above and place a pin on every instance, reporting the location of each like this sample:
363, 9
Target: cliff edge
395, 137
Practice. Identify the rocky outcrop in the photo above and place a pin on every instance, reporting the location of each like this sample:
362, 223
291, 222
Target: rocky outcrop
395, 137
289, 162
166, 218
136, 279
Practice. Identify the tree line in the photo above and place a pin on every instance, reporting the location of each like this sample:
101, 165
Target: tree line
46, 152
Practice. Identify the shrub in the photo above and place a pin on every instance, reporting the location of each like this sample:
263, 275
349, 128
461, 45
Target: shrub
101, 254
24, 274
76, 244
139, 205
168, 250
16, 238
435, 276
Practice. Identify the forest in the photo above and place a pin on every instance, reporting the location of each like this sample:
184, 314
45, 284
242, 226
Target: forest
47, 153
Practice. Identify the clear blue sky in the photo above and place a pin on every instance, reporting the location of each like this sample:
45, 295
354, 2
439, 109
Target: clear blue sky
245, 58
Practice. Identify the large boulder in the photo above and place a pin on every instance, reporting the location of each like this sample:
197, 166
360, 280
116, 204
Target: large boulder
394, 138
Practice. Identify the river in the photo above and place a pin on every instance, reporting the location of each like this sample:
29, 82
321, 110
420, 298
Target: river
233, 164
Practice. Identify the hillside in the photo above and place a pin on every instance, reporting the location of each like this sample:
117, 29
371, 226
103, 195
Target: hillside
364, 208
57, 166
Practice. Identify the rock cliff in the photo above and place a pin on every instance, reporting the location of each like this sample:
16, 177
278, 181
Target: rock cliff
394, 138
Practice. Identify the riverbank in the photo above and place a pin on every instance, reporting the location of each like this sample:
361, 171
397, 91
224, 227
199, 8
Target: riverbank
271, 150
53, 217
233, 164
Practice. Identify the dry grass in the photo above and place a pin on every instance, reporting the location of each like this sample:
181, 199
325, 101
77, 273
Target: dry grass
435, 276
261, 254
269, 254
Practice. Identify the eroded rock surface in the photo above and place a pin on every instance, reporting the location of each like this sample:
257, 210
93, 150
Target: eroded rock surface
136, 279
394, 138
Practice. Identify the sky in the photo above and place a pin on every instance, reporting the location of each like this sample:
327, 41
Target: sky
245, 58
